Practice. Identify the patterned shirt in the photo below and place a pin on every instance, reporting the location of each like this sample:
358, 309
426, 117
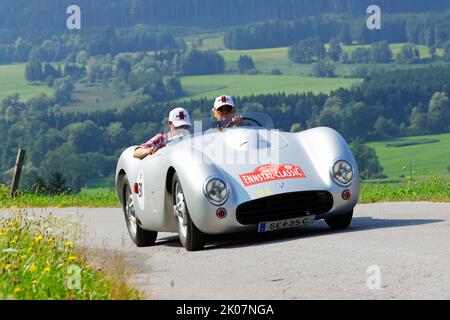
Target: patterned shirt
159, 141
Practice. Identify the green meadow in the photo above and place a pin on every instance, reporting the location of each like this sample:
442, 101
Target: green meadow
277, 58
97, 97
12, 81
241, 85
424, 159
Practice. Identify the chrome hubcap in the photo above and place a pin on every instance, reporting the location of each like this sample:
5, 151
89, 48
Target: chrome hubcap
131, 213
179, 210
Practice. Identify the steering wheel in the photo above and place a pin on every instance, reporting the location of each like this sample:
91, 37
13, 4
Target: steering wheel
245, 119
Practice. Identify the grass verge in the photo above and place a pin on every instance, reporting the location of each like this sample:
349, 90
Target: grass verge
97, 198
433, 189
39, 261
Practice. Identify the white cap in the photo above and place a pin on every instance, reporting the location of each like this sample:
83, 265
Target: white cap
223, 101
179, 117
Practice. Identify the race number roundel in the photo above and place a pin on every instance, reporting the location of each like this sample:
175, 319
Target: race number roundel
141, 188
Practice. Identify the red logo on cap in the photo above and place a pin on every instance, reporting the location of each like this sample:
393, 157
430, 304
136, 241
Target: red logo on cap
224, 99
181, 115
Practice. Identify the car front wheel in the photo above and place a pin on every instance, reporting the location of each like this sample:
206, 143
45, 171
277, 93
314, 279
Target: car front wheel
340, 222
191, 237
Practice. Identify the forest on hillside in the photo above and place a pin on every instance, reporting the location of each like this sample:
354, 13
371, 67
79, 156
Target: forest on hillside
141, 50
29, 16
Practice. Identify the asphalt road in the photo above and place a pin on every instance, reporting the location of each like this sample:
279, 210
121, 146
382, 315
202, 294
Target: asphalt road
391, 251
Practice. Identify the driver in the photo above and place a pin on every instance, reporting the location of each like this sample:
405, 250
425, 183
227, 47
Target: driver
179, 122
225, 111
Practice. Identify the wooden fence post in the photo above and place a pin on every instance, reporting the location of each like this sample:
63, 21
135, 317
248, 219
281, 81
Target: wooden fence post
17, 172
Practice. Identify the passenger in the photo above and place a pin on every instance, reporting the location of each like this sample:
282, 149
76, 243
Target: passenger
179, 122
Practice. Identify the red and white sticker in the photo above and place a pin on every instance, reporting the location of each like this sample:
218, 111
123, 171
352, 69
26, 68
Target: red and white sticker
272, 172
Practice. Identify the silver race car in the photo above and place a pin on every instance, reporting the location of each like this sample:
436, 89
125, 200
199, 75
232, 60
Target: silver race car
220, 180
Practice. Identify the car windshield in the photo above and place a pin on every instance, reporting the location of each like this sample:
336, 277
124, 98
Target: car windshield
251, 119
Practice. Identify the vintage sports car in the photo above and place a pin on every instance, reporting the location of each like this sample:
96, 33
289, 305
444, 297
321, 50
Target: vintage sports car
251, 178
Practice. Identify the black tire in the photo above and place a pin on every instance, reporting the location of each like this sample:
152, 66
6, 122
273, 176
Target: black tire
340, 222
192, 238
141, 237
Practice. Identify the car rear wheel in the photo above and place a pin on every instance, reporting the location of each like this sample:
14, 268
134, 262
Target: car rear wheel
141, 237
191, 237
340, 222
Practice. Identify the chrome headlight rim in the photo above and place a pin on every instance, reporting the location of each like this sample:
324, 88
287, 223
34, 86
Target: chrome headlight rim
205, 191
335, 179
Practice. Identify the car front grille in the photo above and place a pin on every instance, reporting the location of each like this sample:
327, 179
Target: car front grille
284, 206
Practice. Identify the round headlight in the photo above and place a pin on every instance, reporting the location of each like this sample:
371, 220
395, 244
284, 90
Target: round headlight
216, 191
342, 172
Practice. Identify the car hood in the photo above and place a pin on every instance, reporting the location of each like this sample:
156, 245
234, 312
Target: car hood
258, 162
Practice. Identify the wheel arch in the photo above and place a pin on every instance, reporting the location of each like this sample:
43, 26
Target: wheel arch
119, 184
169, 178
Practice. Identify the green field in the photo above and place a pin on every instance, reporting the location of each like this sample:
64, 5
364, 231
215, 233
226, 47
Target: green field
418, 160
241, 85
96, 97
211, 41
277, 58
12, 81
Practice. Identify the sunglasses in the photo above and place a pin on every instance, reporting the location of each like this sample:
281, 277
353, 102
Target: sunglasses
226, 109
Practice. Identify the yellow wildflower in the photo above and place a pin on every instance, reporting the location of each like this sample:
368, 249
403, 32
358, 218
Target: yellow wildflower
23, 257
7, 266
35, 282
38, 238
46, 269
73, 258
16, 290
68, 244
33, 268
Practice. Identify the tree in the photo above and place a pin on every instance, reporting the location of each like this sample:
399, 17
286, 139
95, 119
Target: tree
331, 114
386, 127
82, 58
446, 56
367, 160
63, 91
324, 68
418, 122
439, 112
360, 55
296, 127
432, 50
33, 71
57, 184
195, 62
307, 51
245, 64
408, 54
22, 49
335, 50
85, 136
380, 52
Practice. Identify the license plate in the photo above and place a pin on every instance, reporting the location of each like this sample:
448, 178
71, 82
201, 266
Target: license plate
285, 224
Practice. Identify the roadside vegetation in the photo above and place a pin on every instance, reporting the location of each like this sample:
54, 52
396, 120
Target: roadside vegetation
433, 189
98, 197
40, 260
